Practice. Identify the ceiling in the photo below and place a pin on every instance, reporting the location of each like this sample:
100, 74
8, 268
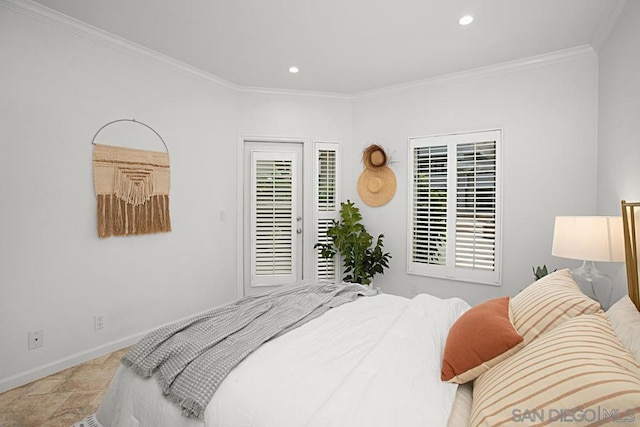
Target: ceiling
344, 46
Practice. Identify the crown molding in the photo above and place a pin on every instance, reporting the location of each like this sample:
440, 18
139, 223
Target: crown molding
87, 31
550, 58
545, 59
293, 92
82, 29
608, 22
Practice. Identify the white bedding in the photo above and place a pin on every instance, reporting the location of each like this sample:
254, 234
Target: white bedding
372, 362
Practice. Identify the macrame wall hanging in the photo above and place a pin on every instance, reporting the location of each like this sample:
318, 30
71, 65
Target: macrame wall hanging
132, 188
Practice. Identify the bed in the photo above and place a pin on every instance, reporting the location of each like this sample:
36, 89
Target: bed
373, 362
548, 355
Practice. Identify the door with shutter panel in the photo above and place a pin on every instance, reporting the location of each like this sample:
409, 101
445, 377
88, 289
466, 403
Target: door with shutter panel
273, 215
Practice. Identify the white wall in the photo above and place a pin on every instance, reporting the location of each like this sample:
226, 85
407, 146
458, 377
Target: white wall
618, 122
549, 117
56, 90
619, 110
322, 118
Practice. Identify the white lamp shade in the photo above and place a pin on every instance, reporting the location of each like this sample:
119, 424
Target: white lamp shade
589, 238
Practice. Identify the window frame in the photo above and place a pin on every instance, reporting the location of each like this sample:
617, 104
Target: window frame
449, 269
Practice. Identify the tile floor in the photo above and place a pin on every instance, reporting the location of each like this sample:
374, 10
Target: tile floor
61, 399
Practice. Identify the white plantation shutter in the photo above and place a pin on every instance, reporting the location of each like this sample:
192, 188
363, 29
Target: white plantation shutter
326, 192
454, 206
476, 206
327, 204
429, 209
273, 217
326, 268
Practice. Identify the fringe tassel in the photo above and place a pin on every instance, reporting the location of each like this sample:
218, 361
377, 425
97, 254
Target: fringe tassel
102, 225
117, 217
167, 224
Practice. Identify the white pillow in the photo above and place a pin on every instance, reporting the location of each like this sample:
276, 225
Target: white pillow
625, 319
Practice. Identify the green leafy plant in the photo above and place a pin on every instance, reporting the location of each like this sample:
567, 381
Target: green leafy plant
351, 240
540, 272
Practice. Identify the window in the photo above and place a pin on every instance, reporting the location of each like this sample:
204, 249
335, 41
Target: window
454, 206
327, 204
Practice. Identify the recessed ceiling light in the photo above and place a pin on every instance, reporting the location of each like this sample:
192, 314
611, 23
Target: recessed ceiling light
465, 20
293, 70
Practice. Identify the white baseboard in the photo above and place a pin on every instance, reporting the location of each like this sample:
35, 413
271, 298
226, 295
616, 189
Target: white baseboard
78, 358
66, 362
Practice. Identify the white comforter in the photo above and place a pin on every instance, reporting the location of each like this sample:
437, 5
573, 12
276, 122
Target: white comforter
372, 362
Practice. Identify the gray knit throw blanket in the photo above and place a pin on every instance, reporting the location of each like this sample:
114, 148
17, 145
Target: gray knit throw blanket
191, 358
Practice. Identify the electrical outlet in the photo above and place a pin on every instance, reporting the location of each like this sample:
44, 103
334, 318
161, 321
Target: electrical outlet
98, 321
36, 339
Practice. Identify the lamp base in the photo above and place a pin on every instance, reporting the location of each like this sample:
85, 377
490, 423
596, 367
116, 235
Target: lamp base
593, 283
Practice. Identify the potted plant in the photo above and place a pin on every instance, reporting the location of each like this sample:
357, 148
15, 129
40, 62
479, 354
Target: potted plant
351, 240
540, 272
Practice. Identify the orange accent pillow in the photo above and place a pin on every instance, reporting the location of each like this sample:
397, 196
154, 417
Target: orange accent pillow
481, 338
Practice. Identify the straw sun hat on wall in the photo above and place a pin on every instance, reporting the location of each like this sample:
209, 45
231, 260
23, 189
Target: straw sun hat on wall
377, 183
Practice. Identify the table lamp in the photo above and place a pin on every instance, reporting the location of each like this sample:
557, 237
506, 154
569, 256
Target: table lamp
590, 238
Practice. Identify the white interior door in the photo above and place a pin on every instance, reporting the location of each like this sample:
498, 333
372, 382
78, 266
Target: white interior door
273, 211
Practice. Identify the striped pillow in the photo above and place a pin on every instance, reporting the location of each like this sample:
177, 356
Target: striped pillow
549, 302
461, 410
579, 373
